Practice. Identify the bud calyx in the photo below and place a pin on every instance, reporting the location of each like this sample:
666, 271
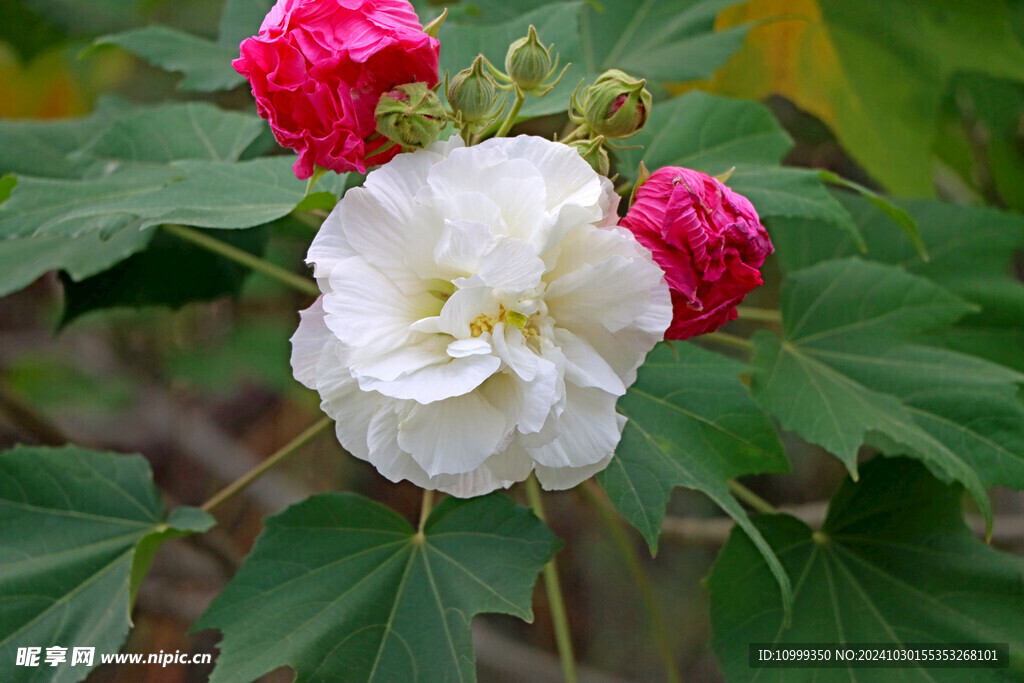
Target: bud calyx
410, 115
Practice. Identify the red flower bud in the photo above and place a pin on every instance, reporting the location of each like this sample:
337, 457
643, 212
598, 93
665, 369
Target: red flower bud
708, 240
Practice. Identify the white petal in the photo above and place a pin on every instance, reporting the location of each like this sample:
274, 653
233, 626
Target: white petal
562, 478
452, 436
350, 408
570, 179
511, 265
474, 346
308, 343
588, 430
510, 345
615, 293
498, 471
461, 246
585, 367
367, 308
464, 306
438, 381
405, 360
385, 453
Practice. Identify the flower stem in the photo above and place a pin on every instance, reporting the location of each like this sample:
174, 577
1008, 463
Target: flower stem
576, 133
302, 284
750, 498
767, 315
425, 508
243, 482
554, 591
592, 493
506, 125
726, 339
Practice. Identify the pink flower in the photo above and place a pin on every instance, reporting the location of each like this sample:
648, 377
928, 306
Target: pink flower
318, 67
708, 240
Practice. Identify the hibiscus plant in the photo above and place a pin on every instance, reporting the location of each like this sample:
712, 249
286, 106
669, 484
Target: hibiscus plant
537, 259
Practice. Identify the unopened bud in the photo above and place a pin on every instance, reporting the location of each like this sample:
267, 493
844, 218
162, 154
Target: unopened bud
473, 92
410, 115
616, 105
528, 62
594, 153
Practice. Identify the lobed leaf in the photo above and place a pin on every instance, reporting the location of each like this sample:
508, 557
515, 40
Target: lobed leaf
339, 583
75, 522
691, 423
893, 563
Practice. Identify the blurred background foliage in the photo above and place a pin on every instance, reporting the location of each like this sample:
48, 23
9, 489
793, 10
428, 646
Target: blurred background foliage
918, 98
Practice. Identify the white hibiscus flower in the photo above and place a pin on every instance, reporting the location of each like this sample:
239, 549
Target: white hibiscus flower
481, 315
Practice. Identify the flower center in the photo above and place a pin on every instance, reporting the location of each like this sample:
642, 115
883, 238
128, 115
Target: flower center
485, 323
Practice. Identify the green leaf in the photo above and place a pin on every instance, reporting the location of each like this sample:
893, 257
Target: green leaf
846, 372
893, 563
339, 583
95, 16
971, 253
691, 423
203, 194
22, 260
781, 194
170, 272
898, 59
41, 148
73, 520
706, 133
205, 64
175, 132
240, 20
899, 216
665, 40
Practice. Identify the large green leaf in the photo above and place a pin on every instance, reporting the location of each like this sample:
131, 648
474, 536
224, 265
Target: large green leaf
691, 423
893, 563
847, 372
175, 132
706, 133
41, 148
241, 19
663, 40
898, 59
205, 194
971, 253
25, 259
205, 64
339, 583
72, 522
714, 134
170, 272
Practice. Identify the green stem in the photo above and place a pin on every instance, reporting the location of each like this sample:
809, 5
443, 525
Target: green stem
425, 508
766, 315
243, 482
302, 284
726, 339
593, 494
750, 498
506, 125
554, 591
576, 133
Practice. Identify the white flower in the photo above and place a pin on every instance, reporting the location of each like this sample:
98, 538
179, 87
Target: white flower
481, 315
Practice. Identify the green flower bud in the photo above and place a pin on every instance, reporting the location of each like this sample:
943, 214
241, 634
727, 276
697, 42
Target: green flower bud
410, 115
528, 62
473, 92
616, 105
594, 153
